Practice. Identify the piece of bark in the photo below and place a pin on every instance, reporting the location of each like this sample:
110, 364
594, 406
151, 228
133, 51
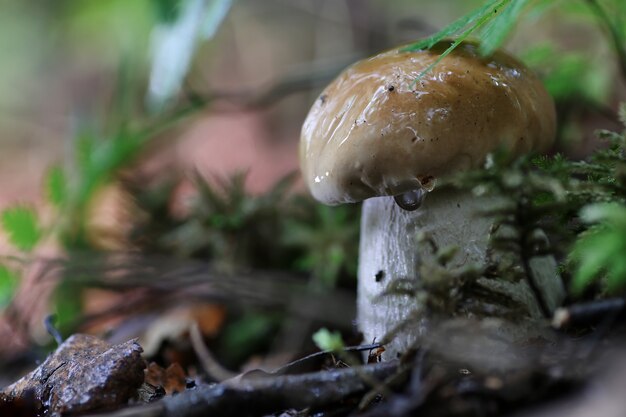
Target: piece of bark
84, 374
148, 393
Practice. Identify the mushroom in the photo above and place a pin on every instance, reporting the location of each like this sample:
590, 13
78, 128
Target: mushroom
379, 133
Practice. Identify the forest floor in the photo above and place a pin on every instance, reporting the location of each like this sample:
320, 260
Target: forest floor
461, 368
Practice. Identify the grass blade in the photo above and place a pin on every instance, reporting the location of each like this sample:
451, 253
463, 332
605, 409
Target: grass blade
455, 26
496, 31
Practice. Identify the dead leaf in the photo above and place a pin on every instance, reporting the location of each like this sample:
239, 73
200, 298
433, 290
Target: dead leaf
172, 379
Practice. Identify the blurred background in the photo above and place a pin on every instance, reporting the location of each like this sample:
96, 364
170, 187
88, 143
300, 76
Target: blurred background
62, 65
153, 144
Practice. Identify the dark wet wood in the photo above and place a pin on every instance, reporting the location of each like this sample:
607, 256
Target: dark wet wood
265, 394
84, 373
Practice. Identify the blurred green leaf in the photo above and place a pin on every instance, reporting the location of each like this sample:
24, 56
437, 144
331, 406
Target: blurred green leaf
100, 158
110, 27
324, 339
456, 27
68, 304
569, 75
328, 238
496, 31
175, 43
215, 13
8, 284
613, 214
166, 10
232, 227
602, 249
613, 22
247, 335
21, 225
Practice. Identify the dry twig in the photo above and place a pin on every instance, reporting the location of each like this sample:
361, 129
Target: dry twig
257, 396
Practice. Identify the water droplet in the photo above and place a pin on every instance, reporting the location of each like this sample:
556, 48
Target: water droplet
410, 200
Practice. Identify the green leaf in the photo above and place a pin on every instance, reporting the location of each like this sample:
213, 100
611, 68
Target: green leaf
569, 75
593, 252
600, 251
247, 335
215, 14
610, 212
56, 186
22, 226
454, 27
174, 45
166, 11
487, 13
68, 305
496, 31
616, 275
8, 284
327, 340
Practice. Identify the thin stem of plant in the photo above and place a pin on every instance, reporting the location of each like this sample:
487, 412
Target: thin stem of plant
618, 42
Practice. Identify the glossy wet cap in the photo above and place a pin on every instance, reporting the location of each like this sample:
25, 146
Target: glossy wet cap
374, 131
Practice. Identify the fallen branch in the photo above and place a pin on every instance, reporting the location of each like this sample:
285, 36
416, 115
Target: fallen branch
259, 395
589, 313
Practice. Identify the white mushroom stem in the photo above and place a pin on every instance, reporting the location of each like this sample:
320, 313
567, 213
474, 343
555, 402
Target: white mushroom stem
389, 252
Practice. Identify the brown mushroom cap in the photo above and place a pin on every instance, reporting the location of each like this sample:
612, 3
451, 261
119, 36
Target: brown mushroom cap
374, 131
